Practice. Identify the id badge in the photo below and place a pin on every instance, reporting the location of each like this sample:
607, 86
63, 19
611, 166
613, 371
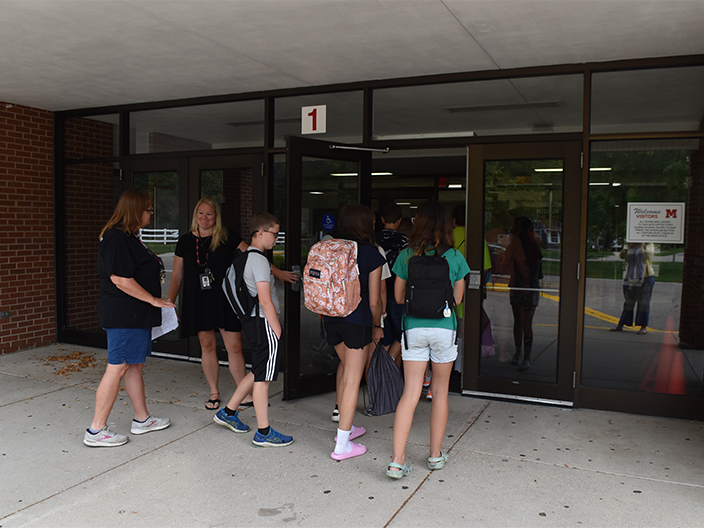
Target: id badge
205, 283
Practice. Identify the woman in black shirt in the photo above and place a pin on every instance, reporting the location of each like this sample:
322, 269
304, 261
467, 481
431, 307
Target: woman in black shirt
128, 307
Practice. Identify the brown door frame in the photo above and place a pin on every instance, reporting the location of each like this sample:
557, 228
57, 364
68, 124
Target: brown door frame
570, 311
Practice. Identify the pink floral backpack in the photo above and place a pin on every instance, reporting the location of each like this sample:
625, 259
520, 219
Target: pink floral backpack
331, 278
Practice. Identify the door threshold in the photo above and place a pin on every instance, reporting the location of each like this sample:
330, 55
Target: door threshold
513, 397
223, 363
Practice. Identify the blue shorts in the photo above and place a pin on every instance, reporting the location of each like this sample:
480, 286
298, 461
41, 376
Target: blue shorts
392, 323
128, 345
434, 344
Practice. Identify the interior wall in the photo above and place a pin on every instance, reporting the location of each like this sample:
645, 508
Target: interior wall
26, 228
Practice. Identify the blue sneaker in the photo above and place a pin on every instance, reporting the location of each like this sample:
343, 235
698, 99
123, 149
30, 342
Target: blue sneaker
273, 439
231, 422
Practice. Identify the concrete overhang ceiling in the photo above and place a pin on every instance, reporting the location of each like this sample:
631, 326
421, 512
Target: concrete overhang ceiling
65, 54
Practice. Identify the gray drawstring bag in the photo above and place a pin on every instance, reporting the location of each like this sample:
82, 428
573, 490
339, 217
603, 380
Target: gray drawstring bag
384, 383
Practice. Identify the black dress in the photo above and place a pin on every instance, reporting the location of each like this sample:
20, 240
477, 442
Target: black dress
205, 309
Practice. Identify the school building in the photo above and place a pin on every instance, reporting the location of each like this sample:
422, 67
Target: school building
585, 117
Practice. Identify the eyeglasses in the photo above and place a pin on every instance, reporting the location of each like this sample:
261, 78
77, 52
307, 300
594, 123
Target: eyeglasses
276, 234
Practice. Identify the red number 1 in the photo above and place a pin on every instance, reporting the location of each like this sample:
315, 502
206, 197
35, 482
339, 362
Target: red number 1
314, 115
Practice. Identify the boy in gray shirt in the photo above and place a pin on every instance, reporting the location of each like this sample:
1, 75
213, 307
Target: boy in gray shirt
264, 334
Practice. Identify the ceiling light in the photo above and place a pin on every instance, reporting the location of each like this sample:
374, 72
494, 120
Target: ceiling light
616, 184
548, 170
315, 192
598, 183
455, 186
403, 203
599, 169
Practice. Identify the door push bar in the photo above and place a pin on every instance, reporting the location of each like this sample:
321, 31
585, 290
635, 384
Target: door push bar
383, 151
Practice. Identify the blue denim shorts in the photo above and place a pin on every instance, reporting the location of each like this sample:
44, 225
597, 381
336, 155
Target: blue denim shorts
434, 344
128, 345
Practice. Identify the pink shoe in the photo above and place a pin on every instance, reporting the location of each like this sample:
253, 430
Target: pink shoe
357, 449
356, 432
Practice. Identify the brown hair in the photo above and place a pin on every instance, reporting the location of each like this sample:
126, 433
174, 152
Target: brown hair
432, 228
262, 220
219, 232
128, 212
356, 222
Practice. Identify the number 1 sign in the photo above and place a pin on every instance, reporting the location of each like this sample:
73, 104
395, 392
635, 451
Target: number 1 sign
313, 119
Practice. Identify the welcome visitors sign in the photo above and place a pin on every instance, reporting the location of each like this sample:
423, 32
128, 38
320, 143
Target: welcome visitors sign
656, 222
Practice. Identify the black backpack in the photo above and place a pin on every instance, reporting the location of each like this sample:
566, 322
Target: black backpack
429, 291
236, 291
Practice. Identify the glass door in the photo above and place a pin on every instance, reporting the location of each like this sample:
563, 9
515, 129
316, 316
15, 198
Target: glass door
320, 179
235, 183
166, 182
175, 186
523, 221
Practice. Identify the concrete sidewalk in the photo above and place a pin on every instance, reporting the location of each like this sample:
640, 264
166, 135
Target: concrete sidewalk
511, 464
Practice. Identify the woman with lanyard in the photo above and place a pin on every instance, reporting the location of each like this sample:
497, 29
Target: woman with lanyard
129, 306
201, 260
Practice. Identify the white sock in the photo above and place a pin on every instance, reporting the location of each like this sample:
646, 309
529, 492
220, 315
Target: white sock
343, 444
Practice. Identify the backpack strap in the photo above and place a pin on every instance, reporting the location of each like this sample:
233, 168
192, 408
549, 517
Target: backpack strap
255, 250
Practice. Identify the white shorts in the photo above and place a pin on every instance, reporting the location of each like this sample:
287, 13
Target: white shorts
434, 344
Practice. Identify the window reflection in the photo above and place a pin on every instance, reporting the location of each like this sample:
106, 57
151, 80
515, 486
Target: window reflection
640, 331
523, 228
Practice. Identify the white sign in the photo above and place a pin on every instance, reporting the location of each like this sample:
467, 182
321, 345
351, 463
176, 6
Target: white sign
656, 222
313, 119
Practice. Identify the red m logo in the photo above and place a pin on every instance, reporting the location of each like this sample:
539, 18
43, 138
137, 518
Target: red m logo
670, 213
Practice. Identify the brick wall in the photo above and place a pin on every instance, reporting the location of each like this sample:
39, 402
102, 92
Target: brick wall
237, 206
89, 203
26, 228
90, 197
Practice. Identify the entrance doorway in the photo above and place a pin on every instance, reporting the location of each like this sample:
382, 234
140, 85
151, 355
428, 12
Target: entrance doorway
523, 221
175, 186
321, 177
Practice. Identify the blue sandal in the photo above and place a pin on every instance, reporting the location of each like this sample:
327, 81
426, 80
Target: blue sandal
399, 471
438, 462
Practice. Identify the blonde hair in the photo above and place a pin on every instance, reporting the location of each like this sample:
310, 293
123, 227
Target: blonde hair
218, 232
128, 212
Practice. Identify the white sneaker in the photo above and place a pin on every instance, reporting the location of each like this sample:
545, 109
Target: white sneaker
104, 438
335, 414
149, 425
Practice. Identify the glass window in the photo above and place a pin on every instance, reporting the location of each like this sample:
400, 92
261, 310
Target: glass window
643, 309
92, 137
91, 192
343, 117
661, 100
523, 236
204, 127
409, 177
533, 105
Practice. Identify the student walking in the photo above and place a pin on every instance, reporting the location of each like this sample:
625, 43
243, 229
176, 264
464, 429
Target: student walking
392, 242
263, 330
427, 338
352, 336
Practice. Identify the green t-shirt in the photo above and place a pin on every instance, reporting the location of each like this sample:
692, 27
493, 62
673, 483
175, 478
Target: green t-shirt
458, 270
